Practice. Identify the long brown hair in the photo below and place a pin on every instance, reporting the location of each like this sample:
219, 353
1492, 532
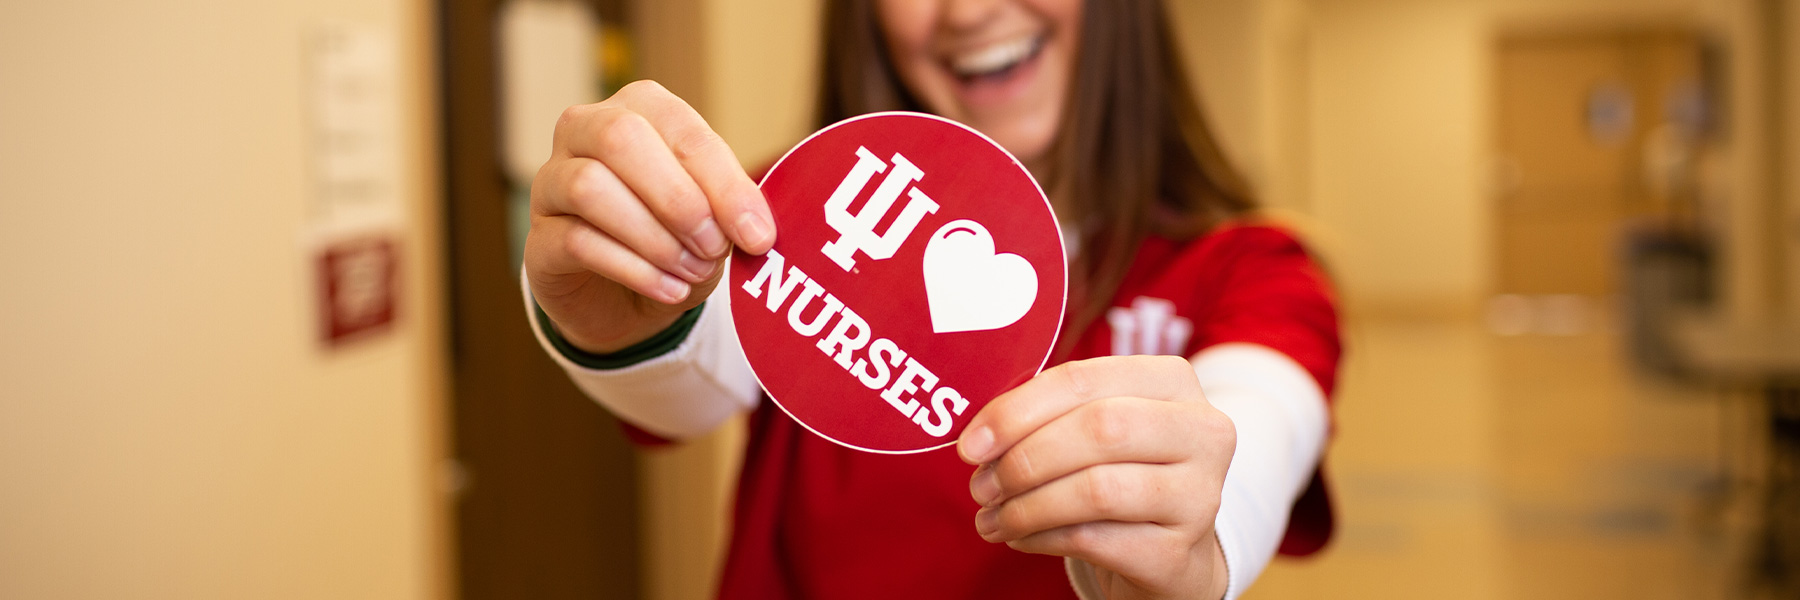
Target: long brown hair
1133, 156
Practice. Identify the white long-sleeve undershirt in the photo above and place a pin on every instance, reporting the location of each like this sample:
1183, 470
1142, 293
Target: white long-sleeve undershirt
1277, 408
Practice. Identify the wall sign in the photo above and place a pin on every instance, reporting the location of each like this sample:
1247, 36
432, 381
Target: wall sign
358, 286
353, 230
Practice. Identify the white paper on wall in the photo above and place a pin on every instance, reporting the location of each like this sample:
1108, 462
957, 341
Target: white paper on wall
352, 133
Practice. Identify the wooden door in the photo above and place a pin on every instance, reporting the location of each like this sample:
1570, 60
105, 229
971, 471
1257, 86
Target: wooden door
549, 509
1587, 124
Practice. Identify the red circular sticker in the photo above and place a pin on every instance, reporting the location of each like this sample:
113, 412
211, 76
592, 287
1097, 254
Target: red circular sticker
918, 272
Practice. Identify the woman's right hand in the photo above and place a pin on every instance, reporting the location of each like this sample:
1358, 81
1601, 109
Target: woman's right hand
633, 216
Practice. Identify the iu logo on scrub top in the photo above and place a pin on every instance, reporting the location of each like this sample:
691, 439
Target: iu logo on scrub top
1149, 326
873, 334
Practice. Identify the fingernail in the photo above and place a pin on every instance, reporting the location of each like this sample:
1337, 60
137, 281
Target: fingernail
753, 229
976, 444
985, 487
987, 521
710, 240
698, 269
674, 290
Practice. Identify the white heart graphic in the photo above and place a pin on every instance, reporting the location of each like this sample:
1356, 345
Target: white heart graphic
968, 287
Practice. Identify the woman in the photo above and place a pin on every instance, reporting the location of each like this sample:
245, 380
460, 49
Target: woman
1196, 343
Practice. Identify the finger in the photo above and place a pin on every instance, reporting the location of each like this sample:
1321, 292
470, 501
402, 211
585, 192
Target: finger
587, 188
1110, 430
1127, 492
1022, 410
631, 147
1137, 551
737, 202
571, 245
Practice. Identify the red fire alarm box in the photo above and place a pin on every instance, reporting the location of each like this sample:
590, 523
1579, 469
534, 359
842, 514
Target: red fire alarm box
357, 288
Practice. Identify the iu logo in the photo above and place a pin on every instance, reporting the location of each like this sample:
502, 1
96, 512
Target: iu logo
857, 231
1149, 326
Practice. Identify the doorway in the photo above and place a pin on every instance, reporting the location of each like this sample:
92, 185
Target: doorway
548, 505
1596, 131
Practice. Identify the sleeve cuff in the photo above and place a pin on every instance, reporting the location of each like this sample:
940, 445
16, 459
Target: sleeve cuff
663, 342
681, 383
1082, 578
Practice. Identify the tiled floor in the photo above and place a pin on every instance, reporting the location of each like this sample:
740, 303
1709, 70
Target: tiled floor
1472, 465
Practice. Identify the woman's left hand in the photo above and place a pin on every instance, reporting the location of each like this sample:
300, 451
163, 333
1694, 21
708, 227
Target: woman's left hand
1116, 461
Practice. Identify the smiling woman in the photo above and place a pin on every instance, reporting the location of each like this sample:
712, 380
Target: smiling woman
1117, 476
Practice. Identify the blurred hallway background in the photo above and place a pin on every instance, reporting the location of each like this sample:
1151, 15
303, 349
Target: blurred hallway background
1566, 235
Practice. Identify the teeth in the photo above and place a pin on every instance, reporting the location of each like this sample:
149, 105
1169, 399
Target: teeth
994, 57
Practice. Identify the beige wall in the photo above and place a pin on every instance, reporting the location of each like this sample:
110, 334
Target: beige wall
1398, 105
1353, 117
1248, 58
169, 427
